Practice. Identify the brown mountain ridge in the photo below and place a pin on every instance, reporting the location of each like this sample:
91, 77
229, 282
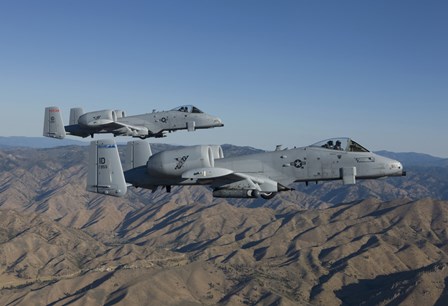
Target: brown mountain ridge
60, 245
394, 252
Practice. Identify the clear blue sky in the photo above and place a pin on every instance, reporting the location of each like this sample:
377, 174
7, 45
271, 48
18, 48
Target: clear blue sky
277, 72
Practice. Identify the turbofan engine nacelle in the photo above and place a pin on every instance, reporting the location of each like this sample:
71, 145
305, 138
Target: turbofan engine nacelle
98, 118
175, 162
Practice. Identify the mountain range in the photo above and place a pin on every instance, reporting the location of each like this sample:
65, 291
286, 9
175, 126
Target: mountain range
377, 242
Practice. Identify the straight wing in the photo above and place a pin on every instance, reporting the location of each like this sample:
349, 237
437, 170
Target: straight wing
116, 128
225, 178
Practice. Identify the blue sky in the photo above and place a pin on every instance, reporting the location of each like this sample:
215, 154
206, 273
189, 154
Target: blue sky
276, 72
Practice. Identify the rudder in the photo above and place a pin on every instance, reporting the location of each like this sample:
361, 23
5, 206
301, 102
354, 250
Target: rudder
137, 154
53, 126
75, 113
105, 173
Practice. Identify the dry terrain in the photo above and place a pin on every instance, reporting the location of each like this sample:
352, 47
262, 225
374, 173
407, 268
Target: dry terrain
386, 243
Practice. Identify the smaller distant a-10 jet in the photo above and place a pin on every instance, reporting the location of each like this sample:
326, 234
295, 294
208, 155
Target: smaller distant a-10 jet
155, 124
249, 176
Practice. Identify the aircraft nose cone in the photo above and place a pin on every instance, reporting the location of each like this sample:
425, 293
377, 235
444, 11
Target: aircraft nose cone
396, 168
218, 122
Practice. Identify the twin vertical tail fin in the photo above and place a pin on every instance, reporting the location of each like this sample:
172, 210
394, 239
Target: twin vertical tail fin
105, 174
137, 154
53, 126
75, 113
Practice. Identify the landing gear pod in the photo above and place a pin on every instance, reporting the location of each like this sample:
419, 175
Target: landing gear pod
348, 175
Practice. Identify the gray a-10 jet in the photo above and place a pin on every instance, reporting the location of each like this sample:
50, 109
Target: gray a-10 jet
250, 176
155, 124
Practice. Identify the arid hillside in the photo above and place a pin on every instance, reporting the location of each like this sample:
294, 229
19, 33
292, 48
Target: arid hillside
386, 243
173, 253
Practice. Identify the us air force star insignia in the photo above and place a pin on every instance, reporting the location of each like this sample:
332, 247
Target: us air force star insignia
298, 163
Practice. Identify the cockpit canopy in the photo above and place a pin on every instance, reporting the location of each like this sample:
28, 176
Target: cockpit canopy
341, 144
188, 109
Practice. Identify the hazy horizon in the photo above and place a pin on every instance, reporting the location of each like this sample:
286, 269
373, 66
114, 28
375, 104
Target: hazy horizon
70, 140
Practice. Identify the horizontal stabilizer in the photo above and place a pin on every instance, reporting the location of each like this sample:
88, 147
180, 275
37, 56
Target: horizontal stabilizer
105, 174
206, 173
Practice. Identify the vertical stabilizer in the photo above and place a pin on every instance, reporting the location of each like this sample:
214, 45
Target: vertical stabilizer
137, 154
53, 126
105, 174
75, 113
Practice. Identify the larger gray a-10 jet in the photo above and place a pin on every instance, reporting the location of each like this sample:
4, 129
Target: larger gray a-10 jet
155, 124
249, 176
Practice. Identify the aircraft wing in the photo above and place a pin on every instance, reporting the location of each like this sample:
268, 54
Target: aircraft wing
114, 127
225, 178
